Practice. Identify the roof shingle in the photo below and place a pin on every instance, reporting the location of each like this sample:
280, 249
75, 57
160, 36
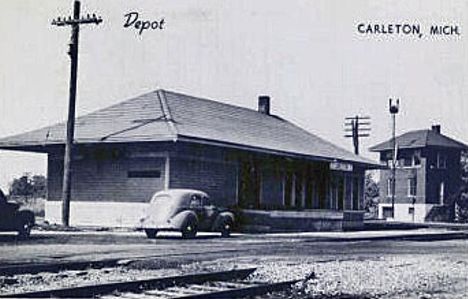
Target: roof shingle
168, 116
420, 139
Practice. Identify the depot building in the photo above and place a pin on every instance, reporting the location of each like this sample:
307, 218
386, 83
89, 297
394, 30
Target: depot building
276, 174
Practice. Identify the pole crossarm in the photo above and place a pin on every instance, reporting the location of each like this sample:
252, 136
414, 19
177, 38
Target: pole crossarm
359, 123
69, 21
360, 129
354, 117
356, 128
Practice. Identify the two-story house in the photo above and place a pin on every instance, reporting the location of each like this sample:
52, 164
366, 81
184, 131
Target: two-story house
427, 176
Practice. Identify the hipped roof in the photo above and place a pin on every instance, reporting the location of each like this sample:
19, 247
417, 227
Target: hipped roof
420, 139
169, 116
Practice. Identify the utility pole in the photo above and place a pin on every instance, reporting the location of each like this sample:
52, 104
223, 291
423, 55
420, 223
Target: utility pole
75, 23
393, 107
356, 127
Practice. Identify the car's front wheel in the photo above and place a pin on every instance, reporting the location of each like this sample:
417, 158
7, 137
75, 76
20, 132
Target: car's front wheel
189, 229
151, 233
226, 228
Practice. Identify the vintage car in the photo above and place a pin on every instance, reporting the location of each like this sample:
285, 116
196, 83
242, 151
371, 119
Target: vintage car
187, 211
14, 219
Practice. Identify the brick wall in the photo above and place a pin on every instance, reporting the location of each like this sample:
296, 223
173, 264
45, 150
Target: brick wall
451, 176
402, 175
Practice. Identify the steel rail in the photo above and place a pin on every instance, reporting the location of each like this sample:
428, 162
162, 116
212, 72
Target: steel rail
34, 268
248, 291
134, 286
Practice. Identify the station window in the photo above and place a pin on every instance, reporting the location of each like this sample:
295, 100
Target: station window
355, 193
144, 174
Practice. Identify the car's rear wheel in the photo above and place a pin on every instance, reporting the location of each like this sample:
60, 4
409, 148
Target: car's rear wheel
151, 233
190, 228
24, 230
25, 223
226, 228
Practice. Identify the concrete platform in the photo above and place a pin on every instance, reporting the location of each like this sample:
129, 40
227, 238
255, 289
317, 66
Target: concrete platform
300, 221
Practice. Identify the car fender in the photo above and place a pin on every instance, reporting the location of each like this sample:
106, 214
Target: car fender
220, 219
180, 218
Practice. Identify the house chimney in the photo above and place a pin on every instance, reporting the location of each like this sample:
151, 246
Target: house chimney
436, 128
264, 104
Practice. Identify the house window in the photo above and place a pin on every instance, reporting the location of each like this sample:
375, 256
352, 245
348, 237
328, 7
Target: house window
390, 188
387, 212
417, 158
441, 161
412, 186
390, 163
407, 162
144, 174
410, 160
441, 192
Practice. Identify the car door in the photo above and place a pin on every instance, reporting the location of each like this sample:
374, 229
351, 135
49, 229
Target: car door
7, 215
197, 207
210, 212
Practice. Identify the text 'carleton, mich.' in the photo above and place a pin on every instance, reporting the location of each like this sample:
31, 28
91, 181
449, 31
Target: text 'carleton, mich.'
407, 29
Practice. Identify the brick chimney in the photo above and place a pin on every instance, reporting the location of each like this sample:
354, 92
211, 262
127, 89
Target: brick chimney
264, 104
436, 128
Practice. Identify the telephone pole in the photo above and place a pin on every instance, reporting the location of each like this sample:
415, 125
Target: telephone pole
356, 127
393, 108
75, 23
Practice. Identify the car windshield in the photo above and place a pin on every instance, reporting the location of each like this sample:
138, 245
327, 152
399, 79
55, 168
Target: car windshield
161, 199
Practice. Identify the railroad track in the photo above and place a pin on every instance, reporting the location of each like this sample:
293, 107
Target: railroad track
224, 284
55, 267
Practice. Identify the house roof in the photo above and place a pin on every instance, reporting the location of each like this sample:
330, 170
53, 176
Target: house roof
420, 139
168, 116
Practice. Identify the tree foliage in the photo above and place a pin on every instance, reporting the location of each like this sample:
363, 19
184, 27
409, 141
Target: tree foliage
462, 197
30, 186
371, 194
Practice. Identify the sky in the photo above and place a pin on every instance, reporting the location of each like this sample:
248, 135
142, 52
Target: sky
307, 55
